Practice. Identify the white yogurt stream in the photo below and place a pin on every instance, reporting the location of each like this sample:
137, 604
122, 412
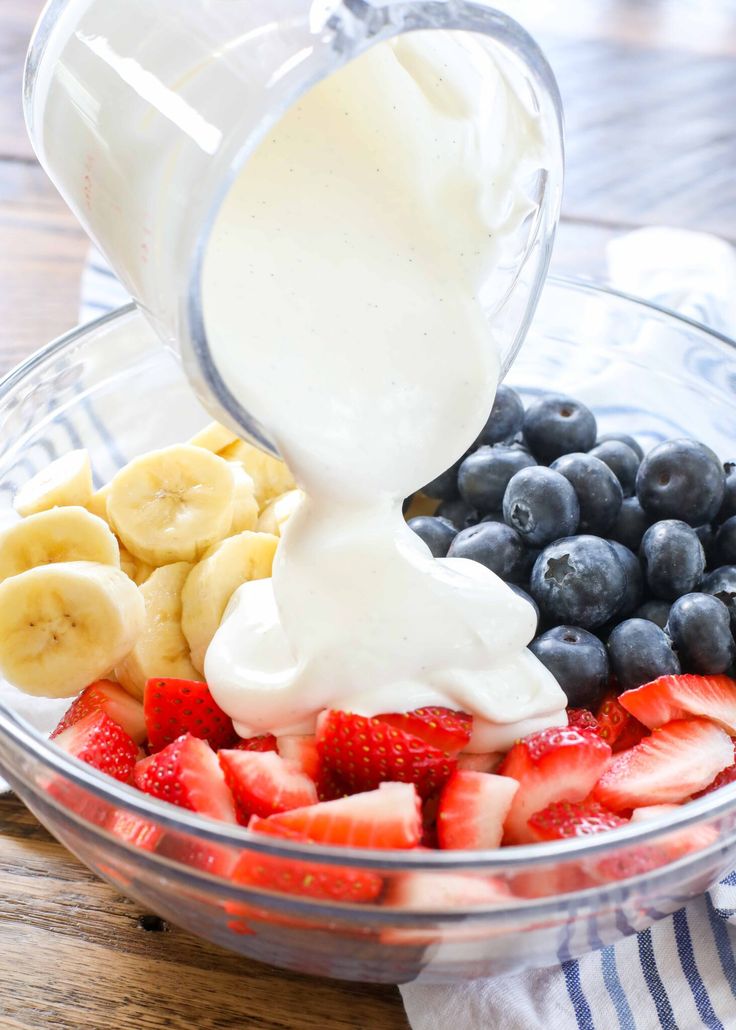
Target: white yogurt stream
348, 293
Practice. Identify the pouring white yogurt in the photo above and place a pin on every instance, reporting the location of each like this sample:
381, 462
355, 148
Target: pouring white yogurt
349, 292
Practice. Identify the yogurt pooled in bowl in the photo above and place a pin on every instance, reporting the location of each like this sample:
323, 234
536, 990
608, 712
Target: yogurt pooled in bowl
349, 292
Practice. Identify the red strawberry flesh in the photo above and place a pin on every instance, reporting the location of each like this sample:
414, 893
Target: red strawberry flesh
389, 817
564, 819
557, 764
362, 753
110, 698
266, 742
173, 707
443, 728
472, 810
680, 697
187, 773
674, 762
101, 743
616, 726
264, 784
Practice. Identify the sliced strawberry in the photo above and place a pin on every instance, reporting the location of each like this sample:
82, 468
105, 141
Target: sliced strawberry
634, 861
301, 752
679, 697
135, 830
472, 810
292, 876
102, 743
564, 819
174, 707
616, 726
670, 765
555, 764
487, 762
389, 817
264, 784
722, 780
443, 728
110, 698
187, 773
363, 753
582, 719
266, 742
649, 812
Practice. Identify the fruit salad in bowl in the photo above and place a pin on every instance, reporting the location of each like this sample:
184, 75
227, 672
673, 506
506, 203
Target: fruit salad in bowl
388, 846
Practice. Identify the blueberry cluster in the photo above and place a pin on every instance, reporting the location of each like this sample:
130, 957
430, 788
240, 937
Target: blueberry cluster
629, 559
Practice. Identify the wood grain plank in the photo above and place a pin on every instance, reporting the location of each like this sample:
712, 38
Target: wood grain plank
17, 18
85, 958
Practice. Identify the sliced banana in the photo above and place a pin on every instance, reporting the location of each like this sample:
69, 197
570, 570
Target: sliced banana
161, 649
136, 570
270, 475
68, 480
213, 437
58, 535
63, 626
245, 505
171, 505
97, 503
278, 512
215, 579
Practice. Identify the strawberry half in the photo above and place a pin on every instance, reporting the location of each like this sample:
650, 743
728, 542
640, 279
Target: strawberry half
616, 726
101, 743
443, 728
264, 784
292, 876
679, 697
564, 819
301, 752
186, 773
135, 830
486, 762
363, 753
557, 764
426, 891
173, 707
472, 810
582, 719
110, 698
389, 817
722, 780
667, 767
266, 742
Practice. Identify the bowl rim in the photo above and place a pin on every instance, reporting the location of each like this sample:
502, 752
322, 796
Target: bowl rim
508, 860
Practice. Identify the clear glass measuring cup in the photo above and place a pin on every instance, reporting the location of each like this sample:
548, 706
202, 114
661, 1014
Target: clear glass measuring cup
144, 111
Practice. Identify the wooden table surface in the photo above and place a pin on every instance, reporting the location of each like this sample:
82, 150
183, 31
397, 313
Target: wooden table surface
650, 95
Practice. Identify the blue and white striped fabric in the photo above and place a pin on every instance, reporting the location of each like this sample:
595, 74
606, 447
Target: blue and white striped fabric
680, 974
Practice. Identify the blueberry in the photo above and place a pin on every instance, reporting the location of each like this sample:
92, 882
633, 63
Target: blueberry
460, 514
672, 558
681, 480
621, 460
541, 505
494, 516
506, 418
721, 583
700, 628
577, 660
631, 524
622, 438
634, 580
485, 474
640, 652
444, 487
557, 425
494, 545
579, 581
707, 537
598, 491
654, 611
728, 507
437, 534
527, 597
725, 543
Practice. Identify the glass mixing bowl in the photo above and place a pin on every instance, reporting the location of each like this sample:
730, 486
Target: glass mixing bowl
441, 916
